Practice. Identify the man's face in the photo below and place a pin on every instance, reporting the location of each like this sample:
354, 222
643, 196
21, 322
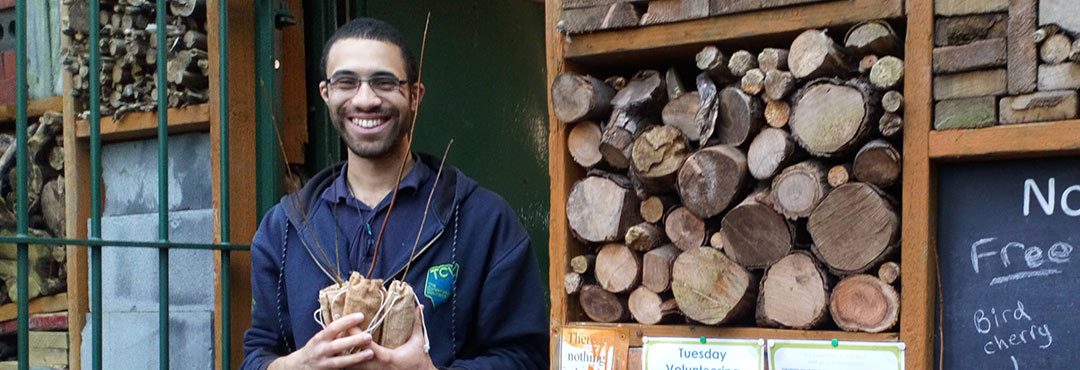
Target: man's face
372, 118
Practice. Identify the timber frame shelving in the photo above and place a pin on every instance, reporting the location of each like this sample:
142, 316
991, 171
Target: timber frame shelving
35, 108
923, 149
138, 125
617, 50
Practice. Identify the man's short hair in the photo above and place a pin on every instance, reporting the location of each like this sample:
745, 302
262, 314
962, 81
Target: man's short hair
374, 29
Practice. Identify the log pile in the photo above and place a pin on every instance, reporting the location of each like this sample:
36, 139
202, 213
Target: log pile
129, 55
1005, 62
45, 205
581, 16
767, 196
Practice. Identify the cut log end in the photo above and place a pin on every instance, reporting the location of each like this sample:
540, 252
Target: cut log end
889, 272
771, 59
618, 269
794, 294
772, 150
644, 237
654, 208
854, 228
710, 288
599, 210
686, 230
864, 303
577, 97
681, 112
753, 81
584, 144
657, 155
887, 73
892, 101
839, 175
656, 268
711, 178
878, 163
815, 54
603, 306
830, 118
777, 113
798, 189
755, 236
582, 264
875, 37
650, 308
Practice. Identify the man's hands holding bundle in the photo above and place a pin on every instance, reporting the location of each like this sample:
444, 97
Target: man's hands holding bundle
343, 345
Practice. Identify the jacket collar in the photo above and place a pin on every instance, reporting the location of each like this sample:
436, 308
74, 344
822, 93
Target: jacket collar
452, 187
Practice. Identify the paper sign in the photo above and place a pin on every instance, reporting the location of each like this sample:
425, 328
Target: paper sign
591, 348
702, 354
835, 355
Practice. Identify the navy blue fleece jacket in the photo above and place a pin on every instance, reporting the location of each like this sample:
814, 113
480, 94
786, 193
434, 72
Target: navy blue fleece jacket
474, 272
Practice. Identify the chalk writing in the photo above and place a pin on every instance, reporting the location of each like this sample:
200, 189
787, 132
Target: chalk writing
1033, 258
1046, 201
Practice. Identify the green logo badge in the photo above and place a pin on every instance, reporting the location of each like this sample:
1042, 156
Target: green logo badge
440, 282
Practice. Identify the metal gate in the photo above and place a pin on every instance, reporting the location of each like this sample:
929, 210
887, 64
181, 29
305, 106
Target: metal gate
268, 165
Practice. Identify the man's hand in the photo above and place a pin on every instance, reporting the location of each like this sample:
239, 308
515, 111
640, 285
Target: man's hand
327, 349
410, 356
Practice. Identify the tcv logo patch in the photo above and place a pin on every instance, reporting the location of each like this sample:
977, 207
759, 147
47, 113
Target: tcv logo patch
440, 282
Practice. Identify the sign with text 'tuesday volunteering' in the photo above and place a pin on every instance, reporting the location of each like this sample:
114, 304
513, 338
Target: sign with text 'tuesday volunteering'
702, 354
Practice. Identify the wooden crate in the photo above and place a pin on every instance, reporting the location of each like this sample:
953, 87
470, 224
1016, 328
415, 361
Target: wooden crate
618, 51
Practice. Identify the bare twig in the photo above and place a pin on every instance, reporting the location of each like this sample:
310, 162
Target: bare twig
415, 106
427, 207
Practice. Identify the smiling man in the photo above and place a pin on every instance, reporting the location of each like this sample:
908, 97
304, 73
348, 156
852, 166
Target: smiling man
473, 267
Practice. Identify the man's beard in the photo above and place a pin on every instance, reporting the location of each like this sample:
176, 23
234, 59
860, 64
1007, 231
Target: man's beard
377, 149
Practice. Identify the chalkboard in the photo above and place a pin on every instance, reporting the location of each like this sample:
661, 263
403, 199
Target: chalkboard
1007, 232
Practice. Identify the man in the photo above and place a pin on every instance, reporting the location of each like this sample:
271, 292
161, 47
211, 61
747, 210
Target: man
473, 268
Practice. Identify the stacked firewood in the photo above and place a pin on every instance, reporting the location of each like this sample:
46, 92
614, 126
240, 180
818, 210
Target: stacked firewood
581, 16
773, 180
45, 204
994, 63
129, 54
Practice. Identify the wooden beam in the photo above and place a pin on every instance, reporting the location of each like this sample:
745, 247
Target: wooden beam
34, 109
143, 125
919, 285
294, 86
77, 207
1010, 141
687, 36
637, 331
563, 172
242, 216
43, 304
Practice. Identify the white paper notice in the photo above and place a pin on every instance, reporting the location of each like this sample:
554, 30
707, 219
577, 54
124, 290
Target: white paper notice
702, 354
829, 355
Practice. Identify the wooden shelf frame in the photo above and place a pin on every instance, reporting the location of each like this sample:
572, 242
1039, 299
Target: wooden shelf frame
43, 304
688, 37
1007, 141
637, 331
141, 125
652, 44
35, 108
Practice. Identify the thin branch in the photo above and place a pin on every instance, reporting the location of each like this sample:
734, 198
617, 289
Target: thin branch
336, 276
427, 207
415, 106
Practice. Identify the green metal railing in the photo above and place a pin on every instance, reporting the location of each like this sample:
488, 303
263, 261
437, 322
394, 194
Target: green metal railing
94, 242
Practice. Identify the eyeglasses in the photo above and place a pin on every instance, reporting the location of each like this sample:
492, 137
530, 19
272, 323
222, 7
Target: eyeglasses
350, 84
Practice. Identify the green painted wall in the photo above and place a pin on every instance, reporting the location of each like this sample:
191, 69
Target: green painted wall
486, 89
